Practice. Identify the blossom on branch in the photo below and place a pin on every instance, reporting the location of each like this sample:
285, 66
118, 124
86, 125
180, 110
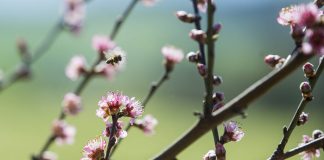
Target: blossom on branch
63, 132
232, 132
102, 44
172, 55
119, 133
147, 124
95, 149
314, 43
71, 104
76, 67
74, 15
133, 108
309, 154
210, 155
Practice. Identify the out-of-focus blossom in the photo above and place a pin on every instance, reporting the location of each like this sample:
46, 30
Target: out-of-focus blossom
311, 153
147, 124
220, 152
202, 5
120, 133
74, 15
133, 108
172, 55
314, 43
287, 16
210, 155
149, 3
110, 104
102, 44
106, 70
76, 67
185, 17
48, 155
307, 14
95, 149
232, 132
71, 104
64, 133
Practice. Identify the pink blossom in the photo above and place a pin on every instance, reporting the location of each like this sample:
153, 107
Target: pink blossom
198, 35
202, 5
71, 104
120, 133
133, 108
48, 155
149, 3
210, 155
63, 132
147, 124
75, 68
95, 149
172, 54
74, 15
232, 132
309, 154
307, 15
287, 16
102, 44
110, 104
106, 70
314, 41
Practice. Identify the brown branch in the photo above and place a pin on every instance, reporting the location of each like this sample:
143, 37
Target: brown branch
279, 152
90, 74
112, 137
317, 143
198, 27
233, 107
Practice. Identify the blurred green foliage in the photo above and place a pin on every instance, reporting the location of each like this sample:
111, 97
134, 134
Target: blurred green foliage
249, 33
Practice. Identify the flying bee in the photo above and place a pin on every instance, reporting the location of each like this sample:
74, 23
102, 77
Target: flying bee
114, 59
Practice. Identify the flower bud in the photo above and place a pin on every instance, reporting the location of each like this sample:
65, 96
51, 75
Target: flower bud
218, 106
218, 97
202, 70
198, 35
317, 134
297, 33
220, 152
217, 80
216, 28
309, 70
185, 17
193, 57
210, 155
303, 118
22, 46
273, 60
306, 90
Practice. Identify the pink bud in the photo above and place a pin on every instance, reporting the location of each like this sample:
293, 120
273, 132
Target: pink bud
218, 97
317, 134
220, 152
303, 118
198, 35
216, 28
272, 60
217, 80
306, 90
185, 17
193, 57
202, 70
309, 70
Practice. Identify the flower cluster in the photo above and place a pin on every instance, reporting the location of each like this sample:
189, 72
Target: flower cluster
74, 15
95, 149
172, 55
301, 16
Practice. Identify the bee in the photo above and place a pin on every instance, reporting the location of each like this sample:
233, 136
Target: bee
114, 59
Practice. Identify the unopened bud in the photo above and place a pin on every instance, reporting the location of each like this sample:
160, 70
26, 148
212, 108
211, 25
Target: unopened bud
22, 46
306, 90
317, 134
198, 35
210, 155
303, 118
216, 28
217, 106
217, 80
202, 70
309, 70
193, 57
273, 60
220, 152
185, 17
218, 97
297, 33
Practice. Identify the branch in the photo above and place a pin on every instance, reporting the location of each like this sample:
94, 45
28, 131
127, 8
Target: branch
154, 87
303, 102
112, 138
90, 74
317, 143
233, 107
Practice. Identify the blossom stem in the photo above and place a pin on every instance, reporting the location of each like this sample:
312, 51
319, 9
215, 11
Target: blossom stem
112, 137
91, 74
317, 143
279, 152
233, 107
198, 27
154, 87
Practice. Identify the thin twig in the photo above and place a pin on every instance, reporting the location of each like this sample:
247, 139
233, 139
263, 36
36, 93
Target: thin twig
303, 102
315, 144
154, 87
233, 107
90, 74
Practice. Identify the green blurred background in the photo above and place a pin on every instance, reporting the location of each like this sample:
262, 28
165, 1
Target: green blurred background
250, 32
